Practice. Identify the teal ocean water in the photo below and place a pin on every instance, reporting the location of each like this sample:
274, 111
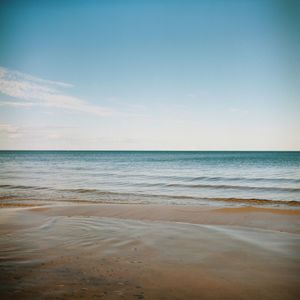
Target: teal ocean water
233, 178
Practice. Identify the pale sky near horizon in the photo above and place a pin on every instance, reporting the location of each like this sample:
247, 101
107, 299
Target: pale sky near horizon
150, 75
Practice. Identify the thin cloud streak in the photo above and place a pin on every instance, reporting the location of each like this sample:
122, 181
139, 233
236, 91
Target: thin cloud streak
16, 131
42, 92
8, 128
18, 104
15, 75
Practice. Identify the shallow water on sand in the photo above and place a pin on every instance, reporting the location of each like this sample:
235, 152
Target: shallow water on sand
89, 257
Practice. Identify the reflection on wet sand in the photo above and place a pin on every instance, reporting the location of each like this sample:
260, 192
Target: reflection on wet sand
148, 252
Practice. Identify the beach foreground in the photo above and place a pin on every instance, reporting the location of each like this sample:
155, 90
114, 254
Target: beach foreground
126, 251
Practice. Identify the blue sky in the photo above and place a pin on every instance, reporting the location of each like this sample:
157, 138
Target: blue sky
190, 75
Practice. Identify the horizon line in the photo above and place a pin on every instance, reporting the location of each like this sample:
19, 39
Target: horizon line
143, 150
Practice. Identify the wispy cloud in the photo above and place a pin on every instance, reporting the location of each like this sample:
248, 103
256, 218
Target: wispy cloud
17, 104
8, 128
33, 91
50, 132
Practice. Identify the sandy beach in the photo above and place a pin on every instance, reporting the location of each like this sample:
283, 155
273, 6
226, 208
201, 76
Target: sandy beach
150, 150
125, 251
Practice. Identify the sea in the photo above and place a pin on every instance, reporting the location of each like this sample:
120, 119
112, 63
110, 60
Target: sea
229, 178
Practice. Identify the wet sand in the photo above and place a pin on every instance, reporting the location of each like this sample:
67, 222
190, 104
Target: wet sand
111, 251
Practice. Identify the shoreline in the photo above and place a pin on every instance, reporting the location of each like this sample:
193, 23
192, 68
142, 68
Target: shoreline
274, 218
168, 200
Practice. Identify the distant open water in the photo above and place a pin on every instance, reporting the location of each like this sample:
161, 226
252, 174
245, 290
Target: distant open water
234, 178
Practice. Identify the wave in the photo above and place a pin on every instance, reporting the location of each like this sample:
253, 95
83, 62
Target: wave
172, 185
160, 184
24, 187
208, 178
127, 195
220, 178
100, 196
236, 187
257, 201
248, 201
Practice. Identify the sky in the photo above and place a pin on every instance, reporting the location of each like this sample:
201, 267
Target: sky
150, 75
